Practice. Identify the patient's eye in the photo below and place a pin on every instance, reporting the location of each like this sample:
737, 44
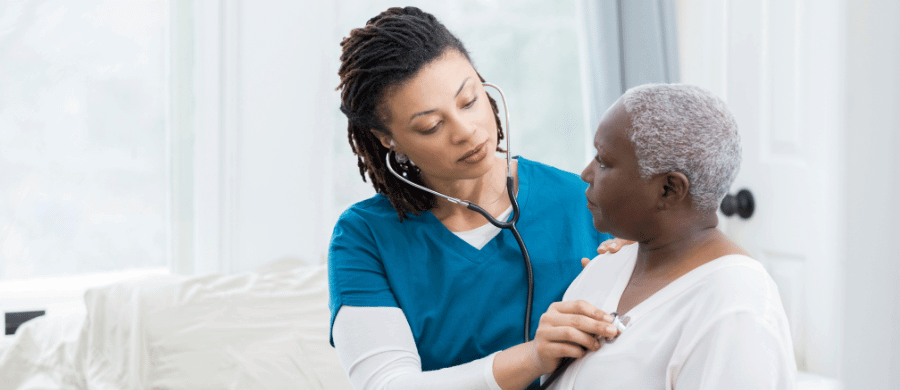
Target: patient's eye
599, 162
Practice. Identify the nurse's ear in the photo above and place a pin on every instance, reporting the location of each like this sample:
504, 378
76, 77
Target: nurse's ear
672, 190
386, 140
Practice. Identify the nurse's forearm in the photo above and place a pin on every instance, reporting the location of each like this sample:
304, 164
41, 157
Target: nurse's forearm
517, 367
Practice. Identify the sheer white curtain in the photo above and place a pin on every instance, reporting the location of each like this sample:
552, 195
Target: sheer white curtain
82, 136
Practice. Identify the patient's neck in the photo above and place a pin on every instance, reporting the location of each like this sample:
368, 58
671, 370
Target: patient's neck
683, 245
678, 247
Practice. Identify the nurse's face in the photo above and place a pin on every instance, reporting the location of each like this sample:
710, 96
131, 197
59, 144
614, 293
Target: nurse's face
620, 201
442, 120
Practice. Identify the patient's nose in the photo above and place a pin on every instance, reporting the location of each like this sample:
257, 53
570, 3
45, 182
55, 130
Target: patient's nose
587, 174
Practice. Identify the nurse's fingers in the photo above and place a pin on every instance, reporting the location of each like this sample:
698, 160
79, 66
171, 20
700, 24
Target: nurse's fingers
582, 324
580, 307
559, 341
585, 261
612, 245
580, 315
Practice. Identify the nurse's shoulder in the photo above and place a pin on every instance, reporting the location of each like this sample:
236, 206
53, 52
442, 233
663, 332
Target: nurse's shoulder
364, 226
376, 211
548, 177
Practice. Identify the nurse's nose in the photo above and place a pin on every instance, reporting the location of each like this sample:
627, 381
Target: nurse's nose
461, 130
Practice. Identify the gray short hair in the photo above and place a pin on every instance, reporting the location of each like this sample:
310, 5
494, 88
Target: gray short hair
684, 128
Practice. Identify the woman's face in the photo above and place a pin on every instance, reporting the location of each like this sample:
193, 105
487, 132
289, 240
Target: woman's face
621, 202
442, 120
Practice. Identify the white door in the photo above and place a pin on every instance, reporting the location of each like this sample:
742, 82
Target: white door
777, 65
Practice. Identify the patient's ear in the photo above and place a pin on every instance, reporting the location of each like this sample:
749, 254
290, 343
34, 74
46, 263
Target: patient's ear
673, 188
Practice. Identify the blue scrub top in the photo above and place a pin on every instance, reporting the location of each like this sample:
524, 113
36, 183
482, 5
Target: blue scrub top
462, 303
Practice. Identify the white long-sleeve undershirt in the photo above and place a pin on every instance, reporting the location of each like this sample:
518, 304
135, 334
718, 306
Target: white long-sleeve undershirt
376, 347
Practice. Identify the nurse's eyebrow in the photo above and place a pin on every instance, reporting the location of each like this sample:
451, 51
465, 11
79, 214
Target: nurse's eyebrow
462, 85
426, 112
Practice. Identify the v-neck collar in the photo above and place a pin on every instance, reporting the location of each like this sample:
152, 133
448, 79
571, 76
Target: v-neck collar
667, 293
468, 251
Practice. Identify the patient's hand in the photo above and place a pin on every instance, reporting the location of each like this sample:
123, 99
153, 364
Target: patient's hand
609, 246
570, 329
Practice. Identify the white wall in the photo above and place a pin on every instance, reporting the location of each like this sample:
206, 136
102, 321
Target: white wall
872, 269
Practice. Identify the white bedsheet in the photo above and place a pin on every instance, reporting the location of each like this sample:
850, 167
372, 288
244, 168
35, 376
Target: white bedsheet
262, 330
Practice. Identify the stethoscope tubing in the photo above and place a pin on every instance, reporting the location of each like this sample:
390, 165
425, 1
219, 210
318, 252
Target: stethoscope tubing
511, 224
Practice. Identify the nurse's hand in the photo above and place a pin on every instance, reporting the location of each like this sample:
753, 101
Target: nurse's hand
612, 245
569, 329
609, 246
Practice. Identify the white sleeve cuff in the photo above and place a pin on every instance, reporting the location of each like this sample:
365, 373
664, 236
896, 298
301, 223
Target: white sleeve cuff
489, 372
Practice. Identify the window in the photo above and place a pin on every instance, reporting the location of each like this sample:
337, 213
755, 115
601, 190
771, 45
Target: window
82, 137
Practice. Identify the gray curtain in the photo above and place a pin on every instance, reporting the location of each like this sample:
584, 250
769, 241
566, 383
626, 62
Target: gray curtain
629, 43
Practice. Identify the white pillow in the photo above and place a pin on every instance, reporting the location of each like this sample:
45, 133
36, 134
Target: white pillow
44, 353
263, 330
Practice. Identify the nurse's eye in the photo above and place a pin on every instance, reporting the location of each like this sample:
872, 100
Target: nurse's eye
599, 162
432, 129
471, 103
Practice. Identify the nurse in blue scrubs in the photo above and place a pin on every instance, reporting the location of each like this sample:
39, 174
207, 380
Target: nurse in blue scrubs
425, 293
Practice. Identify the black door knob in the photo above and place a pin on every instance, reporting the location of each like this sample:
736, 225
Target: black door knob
742, 204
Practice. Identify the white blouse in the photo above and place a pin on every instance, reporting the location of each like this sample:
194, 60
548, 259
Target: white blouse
720, 326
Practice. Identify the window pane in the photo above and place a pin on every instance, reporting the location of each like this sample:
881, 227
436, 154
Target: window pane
82, 136
527, 47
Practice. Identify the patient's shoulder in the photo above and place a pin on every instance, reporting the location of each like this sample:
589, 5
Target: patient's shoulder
737, 282
737, 287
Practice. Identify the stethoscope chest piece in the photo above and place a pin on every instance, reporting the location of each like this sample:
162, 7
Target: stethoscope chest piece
621, 323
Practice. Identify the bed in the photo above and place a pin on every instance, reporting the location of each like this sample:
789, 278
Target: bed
262, 330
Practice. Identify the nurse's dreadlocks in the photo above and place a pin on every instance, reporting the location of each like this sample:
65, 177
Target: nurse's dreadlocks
389, 50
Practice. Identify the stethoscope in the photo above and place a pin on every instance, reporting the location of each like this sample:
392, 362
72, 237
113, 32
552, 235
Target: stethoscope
511, 224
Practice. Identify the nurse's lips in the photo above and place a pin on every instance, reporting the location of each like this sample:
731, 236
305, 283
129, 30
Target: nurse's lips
475, 155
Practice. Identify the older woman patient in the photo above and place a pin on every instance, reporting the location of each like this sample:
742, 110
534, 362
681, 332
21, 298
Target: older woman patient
700, 313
